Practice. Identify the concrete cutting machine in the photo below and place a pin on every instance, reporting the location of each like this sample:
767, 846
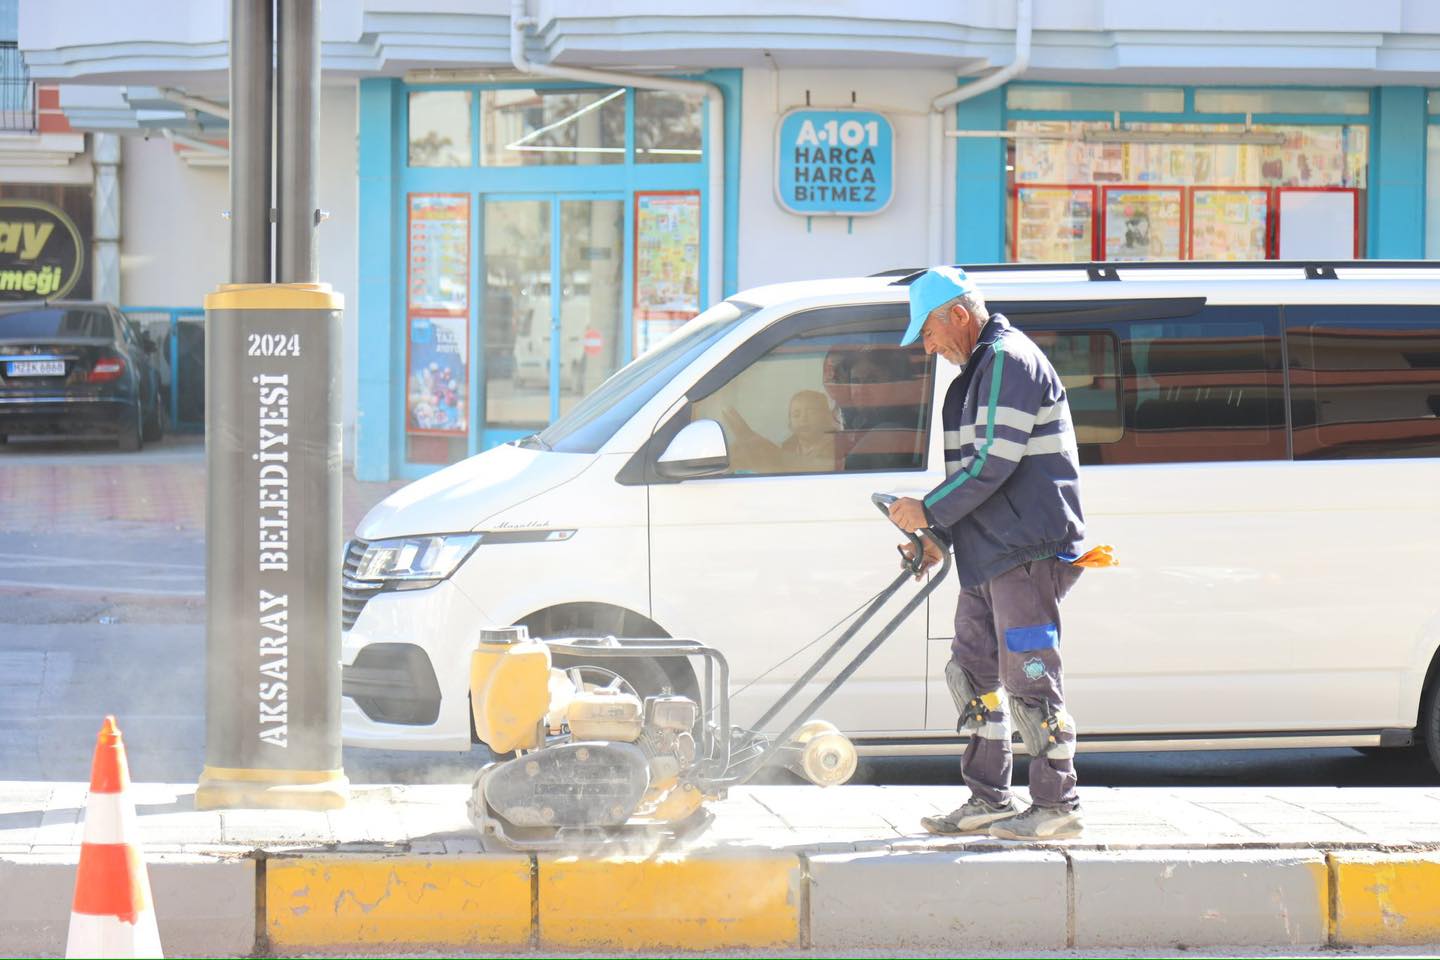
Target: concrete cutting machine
593, 764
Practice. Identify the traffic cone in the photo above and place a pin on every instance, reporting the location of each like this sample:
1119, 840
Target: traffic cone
111, 916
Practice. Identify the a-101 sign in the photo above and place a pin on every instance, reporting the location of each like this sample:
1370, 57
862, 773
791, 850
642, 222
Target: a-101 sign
834, 162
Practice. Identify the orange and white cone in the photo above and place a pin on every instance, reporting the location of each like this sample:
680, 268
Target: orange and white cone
111, 916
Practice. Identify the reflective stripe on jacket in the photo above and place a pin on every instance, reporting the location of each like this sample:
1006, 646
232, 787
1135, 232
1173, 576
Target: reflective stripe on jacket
1012, 485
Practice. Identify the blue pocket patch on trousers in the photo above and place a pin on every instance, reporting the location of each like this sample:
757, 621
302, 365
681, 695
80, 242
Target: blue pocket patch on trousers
1023, 639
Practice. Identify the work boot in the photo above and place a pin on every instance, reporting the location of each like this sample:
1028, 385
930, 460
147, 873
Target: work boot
1040, 823
974, 817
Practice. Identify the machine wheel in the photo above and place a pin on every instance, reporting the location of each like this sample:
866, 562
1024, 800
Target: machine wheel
1429, 729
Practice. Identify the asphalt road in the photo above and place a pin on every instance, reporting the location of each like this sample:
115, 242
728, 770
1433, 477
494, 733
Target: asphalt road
109, 618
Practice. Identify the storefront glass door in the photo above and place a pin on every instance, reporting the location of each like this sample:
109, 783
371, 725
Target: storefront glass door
552, 323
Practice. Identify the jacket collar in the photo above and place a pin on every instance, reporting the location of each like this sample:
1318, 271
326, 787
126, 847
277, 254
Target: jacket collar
994, 328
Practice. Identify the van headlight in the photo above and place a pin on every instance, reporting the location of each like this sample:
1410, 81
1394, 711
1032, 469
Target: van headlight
414, 562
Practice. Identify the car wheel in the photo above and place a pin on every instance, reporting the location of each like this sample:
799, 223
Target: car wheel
1429, 729
155, 422
130, 439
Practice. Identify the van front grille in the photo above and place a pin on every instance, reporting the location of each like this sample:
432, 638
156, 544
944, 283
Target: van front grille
354, 594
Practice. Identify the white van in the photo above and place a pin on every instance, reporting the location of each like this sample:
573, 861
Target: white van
1260, 443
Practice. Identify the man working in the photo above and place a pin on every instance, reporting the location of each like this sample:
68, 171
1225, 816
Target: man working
1010, 508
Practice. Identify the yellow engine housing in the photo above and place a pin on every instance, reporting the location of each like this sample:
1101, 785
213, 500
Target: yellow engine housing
509, 689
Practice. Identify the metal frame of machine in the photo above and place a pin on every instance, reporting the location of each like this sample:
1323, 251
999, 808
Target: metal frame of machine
725, 756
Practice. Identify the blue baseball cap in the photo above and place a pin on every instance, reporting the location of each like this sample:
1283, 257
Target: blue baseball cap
936, 286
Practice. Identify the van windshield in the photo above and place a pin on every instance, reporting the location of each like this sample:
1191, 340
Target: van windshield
594, 420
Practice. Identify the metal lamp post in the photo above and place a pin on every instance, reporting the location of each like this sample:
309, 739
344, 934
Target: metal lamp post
273, 445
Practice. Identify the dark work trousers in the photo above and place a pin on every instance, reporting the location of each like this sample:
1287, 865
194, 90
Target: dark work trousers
1007, 634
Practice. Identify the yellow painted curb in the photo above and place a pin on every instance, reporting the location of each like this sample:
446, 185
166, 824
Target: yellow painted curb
1389, 899
450, 902
696, 903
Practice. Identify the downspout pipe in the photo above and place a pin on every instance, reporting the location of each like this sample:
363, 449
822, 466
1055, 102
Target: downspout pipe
521, 22
1018, 64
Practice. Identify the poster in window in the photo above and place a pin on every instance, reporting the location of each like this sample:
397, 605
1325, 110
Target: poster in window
1229, 224
437, 375
1054, 223
1144, 223
667, 264
439, 253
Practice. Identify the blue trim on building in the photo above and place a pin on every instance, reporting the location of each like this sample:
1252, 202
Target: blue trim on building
980, 181
1397, 174
730, 81
377, 261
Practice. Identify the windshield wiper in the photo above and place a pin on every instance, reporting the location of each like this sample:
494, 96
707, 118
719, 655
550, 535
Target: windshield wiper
532, 442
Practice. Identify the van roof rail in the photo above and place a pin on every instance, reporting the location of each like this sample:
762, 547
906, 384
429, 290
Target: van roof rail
1111, 270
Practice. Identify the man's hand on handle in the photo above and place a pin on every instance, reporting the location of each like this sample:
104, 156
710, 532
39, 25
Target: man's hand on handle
908, 514
932, 557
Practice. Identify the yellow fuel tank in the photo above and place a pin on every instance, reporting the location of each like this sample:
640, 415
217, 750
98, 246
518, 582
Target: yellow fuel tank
509, 688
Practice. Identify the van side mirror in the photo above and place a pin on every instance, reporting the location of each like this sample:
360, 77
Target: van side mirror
698, 450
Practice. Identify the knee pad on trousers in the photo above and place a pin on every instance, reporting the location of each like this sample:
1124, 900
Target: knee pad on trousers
978, 711
1041, 728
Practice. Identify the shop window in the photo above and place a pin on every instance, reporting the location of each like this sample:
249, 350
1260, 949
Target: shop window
440, 128
1364, 381
1187, 193
668, 126
1352, 102
1110, 99
1432, 101
526, 127
828, 403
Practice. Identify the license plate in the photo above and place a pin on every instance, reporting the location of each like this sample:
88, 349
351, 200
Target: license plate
35, 368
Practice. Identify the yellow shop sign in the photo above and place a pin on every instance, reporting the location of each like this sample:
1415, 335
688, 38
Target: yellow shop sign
41, 253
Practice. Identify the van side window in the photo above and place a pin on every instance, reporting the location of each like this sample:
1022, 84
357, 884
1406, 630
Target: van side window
1087, 362
1364, 381
1204, 388
827, 402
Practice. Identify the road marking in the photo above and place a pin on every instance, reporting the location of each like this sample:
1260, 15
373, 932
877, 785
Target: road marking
45, 559
100, 588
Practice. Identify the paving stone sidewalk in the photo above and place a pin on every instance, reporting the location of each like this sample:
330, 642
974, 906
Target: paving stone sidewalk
38, 818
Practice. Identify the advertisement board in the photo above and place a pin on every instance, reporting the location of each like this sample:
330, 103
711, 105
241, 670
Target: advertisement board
834, 162
1229, 223
438, 375
439, 253
1054, 223
437, 329
667, 264
1144, 223
42, 247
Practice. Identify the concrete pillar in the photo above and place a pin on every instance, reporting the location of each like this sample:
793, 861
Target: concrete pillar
105, 271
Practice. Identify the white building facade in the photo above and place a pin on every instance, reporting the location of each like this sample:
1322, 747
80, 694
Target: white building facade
509, 226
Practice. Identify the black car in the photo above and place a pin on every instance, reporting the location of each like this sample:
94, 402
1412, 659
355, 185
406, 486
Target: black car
77, 368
